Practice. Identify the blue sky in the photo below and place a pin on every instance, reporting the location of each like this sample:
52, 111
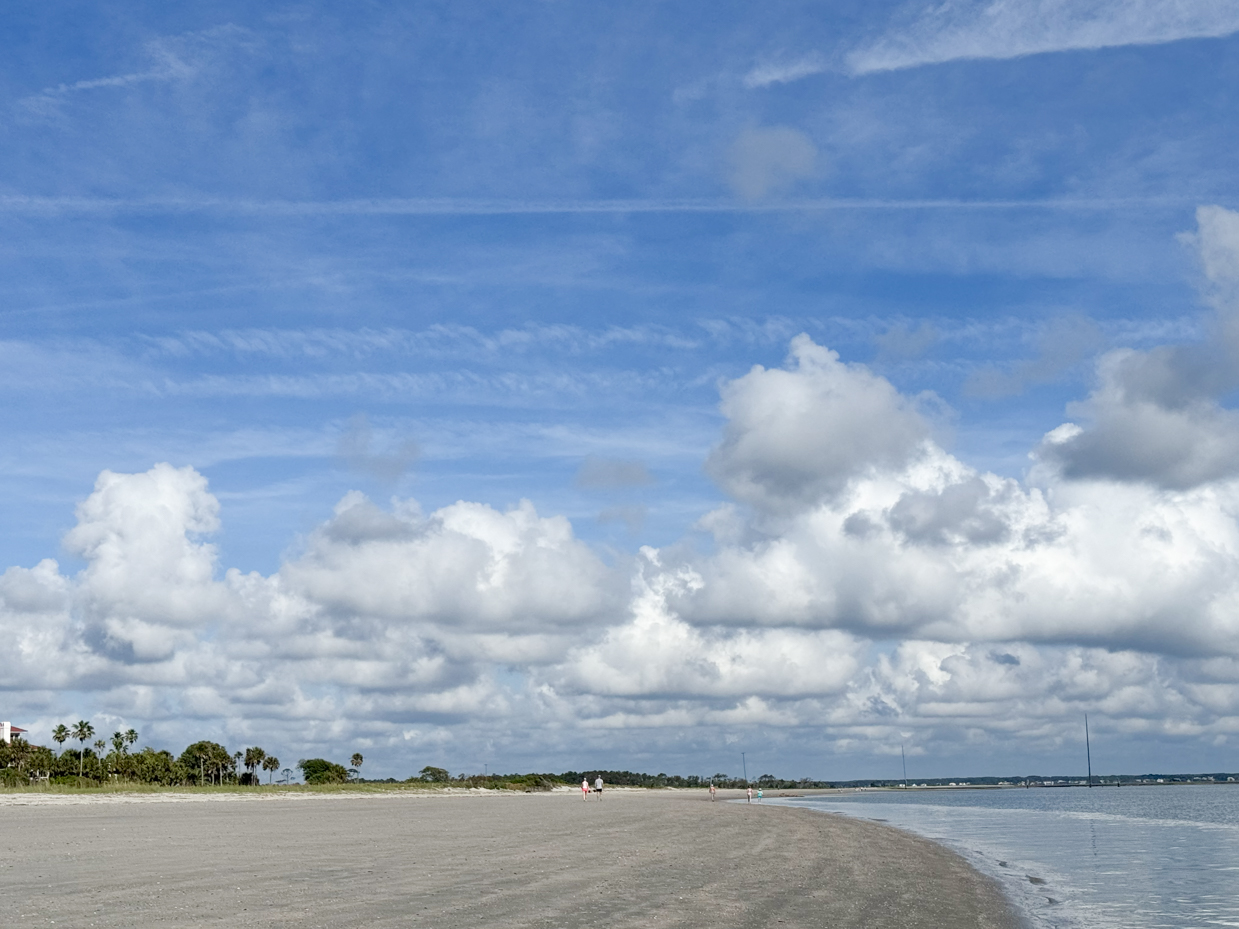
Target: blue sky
485, 253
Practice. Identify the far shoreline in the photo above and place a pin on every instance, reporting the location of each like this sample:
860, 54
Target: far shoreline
109, 792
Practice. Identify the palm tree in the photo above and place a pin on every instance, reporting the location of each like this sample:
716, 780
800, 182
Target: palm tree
59, 734
19, 751
100, 745
82, 731
119, 747
356, 761
272, 764
131, 737
222, 761
253, 758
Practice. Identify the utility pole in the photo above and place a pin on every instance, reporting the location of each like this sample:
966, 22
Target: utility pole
1088, 752
904, 759
744, 762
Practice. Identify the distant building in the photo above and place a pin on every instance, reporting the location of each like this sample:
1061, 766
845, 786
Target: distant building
8, 730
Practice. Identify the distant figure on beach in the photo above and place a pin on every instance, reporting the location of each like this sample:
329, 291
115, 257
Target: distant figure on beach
750, 799
713, 791
584, 788
759, 795
598, 785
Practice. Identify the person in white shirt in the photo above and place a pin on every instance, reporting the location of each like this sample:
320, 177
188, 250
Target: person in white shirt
584, 788
598, 785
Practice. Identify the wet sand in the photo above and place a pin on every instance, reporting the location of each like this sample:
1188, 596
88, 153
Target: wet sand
637, 858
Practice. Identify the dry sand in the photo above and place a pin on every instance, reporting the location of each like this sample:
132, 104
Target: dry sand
637, 858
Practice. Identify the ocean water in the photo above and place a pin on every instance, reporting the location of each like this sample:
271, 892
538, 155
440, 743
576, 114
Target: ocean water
1074, 858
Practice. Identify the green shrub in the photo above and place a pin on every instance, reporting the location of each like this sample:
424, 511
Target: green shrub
322, 771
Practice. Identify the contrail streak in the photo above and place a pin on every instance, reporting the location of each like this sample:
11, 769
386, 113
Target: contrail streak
458, 207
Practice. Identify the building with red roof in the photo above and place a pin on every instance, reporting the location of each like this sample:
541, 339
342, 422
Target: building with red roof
8, 730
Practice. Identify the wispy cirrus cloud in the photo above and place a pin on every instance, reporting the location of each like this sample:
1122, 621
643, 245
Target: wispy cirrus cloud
172, 58
769, 73
963, 29
436, 341
1061, 344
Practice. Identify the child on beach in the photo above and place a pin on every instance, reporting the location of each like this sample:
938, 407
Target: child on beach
713, 791
759, 795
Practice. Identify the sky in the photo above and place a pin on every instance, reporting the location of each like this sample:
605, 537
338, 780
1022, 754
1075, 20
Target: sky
562, 385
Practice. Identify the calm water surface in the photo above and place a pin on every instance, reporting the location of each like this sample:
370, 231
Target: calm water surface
1074, 858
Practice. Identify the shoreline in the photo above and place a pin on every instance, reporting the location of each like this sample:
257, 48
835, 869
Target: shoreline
122, 793
1018, 903
635, 858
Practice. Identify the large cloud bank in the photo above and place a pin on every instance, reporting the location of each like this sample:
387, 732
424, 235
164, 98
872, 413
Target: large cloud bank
862, 582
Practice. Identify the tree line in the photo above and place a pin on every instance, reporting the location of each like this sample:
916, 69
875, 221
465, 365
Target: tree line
440, 776
99, 760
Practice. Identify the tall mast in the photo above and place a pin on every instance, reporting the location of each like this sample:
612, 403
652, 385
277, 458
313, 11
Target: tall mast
904, 759
1088, 752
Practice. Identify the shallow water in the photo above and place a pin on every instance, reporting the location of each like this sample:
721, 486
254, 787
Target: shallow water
1074, 858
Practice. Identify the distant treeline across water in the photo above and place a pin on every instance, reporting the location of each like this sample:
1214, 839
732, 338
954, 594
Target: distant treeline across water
1046, 780
101, 761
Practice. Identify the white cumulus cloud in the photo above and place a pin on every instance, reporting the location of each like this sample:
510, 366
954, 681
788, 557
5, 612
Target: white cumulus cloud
1156, 416
797, 435
863, 587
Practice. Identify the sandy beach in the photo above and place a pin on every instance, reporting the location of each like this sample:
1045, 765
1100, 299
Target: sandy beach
637, 858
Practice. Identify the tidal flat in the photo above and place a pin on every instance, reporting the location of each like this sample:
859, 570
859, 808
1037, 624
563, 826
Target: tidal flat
635, 858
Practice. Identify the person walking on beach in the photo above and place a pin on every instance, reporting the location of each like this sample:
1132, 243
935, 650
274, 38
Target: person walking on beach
759, 795
713, 791
598, 785
750, 799
584, 788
